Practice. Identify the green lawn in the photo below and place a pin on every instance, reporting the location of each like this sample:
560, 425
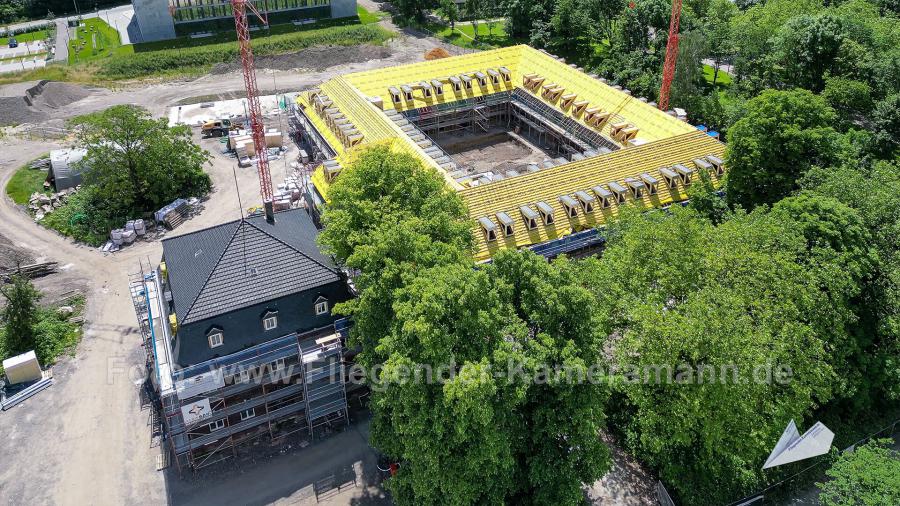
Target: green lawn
464, 35
95, 39
723, 80
25, 182
366, 17
25, 37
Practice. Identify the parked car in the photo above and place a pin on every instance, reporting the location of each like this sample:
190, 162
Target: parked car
13, 42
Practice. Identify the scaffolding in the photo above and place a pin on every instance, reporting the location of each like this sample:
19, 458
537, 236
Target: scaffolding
292, 384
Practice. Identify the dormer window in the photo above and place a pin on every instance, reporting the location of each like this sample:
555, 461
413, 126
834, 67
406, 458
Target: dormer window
530, 217
619, 191
457, 84
651, 183
407, 92
587, 201
489, 228
270, 321
468, 81
546, 213
426, 89
321, 306
507, 77
482, 79
636, 187
215, 338
507, 223
717, 163
671, 177
495, 76
604, 195
702, 164
438, 87
570, 205
395, 94
685, 173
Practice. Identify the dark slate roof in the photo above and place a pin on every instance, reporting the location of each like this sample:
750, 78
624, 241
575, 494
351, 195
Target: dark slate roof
238, 264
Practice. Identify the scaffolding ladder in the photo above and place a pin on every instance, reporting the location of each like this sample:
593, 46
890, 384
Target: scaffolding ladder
138, 290
324, 390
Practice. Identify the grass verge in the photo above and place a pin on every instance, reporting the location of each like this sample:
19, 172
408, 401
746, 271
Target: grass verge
25, 182
723, 80
26, 37
172, 61
95, 39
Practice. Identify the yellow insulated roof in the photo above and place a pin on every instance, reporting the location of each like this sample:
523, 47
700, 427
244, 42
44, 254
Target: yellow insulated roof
664, 140
509, 195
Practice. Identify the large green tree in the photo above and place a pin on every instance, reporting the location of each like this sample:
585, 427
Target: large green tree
781, 135
138, 164
388, 216
807, 48
19, 314
700, 315
476, 436
867, 476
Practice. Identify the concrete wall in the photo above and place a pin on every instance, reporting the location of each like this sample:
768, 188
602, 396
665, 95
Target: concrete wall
343, 8
154, 20
243, 328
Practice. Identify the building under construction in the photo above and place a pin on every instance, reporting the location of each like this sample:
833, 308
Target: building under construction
240, 339
541, 152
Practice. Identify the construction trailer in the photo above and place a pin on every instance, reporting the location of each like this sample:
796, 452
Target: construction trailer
239, 337
598, 147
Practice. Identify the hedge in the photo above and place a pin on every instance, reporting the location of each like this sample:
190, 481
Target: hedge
169, 60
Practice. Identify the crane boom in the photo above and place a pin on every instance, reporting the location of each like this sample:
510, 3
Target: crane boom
242, 25
671, 56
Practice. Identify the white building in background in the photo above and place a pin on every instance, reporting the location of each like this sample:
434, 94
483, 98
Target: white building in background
166, 19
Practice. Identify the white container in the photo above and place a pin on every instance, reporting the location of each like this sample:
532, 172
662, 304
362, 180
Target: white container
116, 236
129, 225
139, 227
22, 368
128, 236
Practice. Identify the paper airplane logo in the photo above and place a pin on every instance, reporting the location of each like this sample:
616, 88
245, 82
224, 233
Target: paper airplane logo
792, 446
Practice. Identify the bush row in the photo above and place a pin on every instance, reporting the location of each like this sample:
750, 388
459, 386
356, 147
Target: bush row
160, 62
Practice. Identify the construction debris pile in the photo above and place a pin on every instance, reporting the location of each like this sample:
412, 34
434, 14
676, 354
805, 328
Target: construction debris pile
41, 204
120, 237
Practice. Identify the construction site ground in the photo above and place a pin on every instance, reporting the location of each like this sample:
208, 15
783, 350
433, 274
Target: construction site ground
87, 439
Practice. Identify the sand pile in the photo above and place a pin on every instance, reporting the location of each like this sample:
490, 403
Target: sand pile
436, 53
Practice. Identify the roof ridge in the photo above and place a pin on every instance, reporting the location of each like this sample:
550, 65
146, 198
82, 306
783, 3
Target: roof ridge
220, 225
212, 271
293, 248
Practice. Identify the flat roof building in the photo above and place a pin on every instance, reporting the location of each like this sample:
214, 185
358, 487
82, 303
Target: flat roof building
166, 19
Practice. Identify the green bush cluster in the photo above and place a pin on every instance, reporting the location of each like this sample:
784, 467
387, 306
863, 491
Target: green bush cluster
160, 62
85, 217
53, 334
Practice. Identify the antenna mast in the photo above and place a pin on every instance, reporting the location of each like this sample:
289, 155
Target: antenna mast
242, 25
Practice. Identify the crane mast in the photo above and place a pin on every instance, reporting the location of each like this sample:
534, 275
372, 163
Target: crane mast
242, 25
671, 56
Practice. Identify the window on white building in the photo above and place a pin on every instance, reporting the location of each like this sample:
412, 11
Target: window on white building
215, 339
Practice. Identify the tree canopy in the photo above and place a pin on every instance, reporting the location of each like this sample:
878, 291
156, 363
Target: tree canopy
781, 135
869, 475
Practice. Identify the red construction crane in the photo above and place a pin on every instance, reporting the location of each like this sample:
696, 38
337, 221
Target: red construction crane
239, 7
671, 56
